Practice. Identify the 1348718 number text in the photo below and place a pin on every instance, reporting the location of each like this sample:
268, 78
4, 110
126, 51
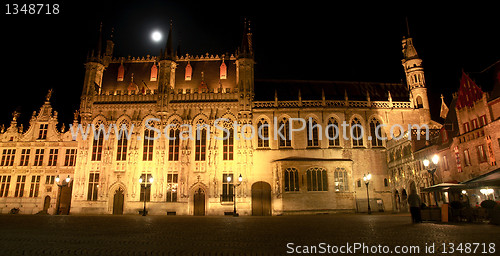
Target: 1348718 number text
32, 9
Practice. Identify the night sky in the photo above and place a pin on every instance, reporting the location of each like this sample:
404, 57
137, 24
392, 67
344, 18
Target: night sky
306, 41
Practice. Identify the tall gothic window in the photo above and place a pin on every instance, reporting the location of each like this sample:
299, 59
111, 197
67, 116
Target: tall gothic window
172, 184
97, 145
284, 136
291, 178
340, 178
173, 144
376, 133
317, 179
356, 133
263, 134
228, 145
200, 144
333, 133
93, 186
227, 188
312, 129
121, 154
145, 188
148, 145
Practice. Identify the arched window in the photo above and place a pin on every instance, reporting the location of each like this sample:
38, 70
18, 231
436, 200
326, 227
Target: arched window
291, 179
188, 72
356, 133
121, 154
97, 142
333, 133
419, 103
200, 141
228, 145
341, 183
148, 146
263, 133
154, 73
284, 133
121, 73
376, 133
174, 141
223, 71
317, 179
313, 129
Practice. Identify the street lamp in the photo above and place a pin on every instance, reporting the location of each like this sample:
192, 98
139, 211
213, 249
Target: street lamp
431, 171
146, 185
366, 179
61, 185
240, 179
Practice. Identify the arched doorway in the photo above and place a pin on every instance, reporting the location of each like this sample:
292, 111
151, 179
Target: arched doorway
199, 202
261, 199
46, 203
118, 199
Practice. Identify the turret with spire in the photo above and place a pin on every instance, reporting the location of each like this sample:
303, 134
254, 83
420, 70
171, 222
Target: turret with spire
245, 68
166, 77
415, 78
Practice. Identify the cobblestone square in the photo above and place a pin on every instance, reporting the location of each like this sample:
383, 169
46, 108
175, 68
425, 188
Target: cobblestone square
225, 235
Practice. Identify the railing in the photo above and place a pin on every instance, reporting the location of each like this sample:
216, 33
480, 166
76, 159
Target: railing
332, 103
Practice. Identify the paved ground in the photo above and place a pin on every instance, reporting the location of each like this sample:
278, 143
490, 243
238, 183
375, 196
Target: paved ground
225, 235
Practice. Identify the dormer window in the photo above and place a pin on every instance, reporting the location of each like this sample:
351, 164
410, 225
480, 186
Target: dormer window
154, 73
223, 71
42, 132
121, 73
189, 72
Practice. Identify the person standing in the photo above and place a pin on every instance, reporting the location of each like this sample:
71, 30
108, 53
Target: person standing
414, 202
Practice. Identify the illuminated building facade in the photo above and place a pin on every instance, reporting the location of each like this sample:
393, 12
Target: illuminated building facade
194, 173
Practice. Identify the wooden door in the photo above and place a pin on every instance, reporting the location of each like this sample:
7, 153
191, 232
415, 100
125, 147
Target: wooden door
118, 202
199, 202
46, 203
261, 199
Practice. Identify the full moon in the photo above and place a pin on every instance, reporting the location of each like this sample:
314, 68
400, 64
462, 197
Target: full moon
156, 36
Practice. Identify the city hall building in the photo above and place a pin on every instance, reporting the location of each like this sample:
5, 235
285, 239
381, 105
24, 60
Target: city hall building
166, 164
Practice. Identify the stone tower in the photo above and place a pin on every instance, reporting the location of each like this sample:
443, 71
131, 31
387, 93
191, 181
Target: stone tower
245, 69
166, 77
415, 78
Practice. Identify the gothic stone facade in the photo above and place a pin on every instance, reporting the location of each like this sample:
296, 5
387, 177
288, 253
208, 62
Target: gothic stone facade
291, 175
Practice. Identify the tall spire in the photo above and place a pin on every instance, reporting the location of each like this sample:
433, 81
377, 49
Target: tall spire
409, 51
407, 27
169, 50
246, 49
99, 42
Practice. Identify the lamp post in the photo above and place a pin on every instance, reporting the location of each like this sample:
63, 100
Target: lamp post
431, 171
61, 184
240, 179
366, 179
146, 186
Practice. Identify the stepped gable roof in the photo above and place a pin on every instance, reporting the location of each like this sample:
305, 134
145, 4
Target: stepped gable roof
334, 90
